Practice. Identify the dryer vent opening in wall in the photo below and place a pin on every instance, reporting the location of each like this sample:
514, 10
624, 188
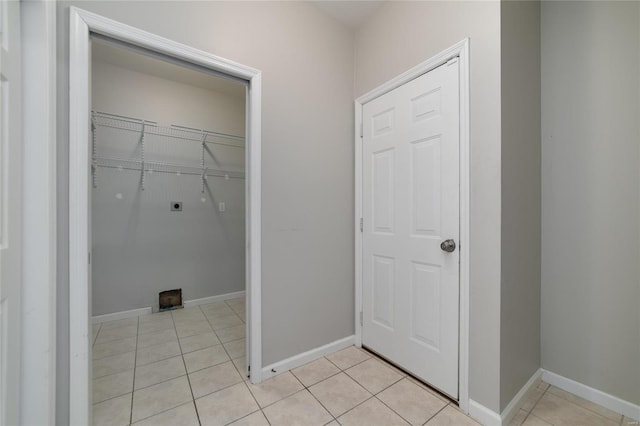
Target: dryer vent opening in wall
170, 299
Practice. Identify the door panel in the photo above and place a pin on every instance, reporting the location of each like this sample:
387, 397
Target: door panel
410, 205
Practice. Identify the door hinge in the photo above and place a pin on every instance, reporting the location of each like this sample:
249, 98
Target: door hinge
361, 225
89, 258
361, 129
361, 319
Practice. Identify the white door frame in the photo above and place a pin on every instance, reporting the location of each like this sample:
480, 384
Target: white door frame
82, 24
460, 50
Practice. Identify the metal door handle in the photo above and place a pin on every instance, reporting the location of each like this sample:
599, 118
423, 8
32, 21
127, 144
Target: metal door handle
448, 246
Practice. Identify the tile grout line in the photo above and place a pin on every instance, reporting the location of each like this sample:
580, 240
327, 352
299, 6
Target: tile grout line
135, 360
438, 412
193, 399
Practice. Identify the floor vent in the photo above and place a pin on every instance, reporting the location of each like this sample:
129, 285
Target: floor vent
170, 299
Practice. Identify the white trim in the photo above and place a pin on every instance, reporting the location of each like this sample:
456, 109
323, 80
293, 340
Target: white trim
211, 299
79, 273
596, 396
122, 315
461, 50
305, 357
81, 25
38, 375
519, 399
483, 415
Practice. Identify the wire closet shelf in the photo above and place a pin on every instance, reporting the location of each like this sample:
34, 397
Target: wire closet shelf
145, 128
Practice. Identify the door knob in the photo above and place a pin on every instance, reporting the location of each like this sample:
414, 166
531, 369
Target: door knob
448, 246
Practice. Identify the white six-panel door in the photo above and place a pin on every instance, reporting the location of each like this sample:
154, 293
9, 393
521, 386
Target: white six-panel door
10, 211
410, 170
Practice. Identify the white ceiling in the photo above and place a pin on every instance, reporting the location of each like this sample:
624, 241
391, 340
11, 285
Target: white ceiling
350, 13
126, 58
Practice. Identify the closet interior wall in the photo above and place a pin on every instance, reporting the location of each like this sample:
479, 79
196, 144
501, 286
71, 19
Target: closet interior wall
140, 246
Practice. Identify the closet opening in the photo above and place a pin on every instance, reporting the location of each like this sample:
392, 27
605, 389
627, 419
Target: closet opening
168, 175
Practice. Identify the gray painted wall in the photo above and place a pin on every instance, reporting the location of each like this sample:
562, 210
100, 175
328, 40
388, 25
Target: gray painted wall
520, 227
402, 34
590, 194
141, 247
307, 158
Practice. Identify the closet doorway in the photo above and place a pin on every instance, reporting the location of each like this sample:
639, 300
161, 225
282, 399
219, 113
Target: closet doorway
168, 214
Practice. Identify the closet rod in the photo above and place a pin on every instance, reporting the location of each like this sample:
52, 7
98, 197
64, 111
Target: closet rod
137, 169
192, 134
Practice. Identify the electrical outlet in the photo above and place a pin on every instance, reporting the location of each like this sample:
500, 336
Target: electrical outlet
176, 206
221, 206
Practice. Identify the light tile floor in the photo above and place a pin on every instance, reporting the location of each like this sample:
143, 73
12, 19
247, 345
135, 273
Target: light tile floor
186, 367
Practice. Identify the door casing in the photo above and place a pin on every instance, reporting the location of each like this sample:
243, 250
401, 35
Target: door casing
460, 50
82, 25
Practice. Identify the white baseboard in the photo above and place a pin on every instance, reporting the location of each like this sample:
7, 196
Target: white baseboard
121, 315
211, 299
518, 400
483, 415
305, 357
596, 396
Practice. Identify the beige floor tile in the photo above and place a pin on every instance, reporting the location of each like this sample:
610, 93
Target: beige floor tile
449, 416
242, 313
333, 423
255, 419
241, 366
236, 349
428, 389
542, 385
217, 314
165, 323
110, 334
236, 301
299, 409
559, 412
161, 397
192, 328
605, 412
126, 322
519, 418
212, 379
232, 333
204, 358
113, 348
413, 403
108, 387
198, 341
218, 304
373, 375
113, 412
156, 353
151, 339
371, 413
184, 415
225, 321
113, 364
157, 316
535, 421
339, 393
226, 406
315, 371
150, 374
348, 357
275, 388
191, 312
532, 399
